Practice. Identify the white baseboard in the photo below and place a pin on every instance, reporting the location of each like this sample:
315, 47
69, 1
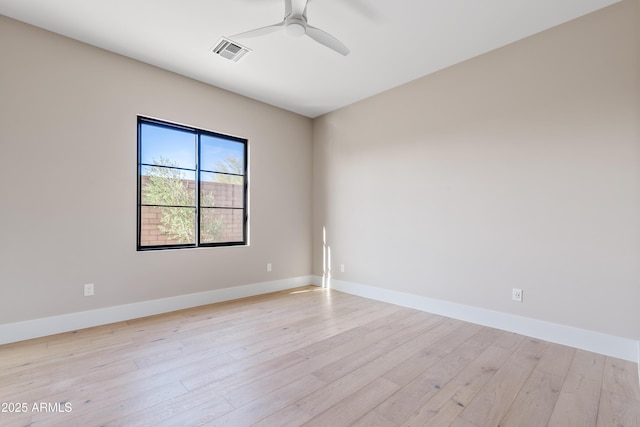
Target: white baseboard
36, 328
597, 342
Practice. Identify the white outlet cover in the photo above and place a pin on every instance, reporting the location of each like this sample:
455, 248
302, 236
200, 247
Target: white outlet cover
516, 294
88, 290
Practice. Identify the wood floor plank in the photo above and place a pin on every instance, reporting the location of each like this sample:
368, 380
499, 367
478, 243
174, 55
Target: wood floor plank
385, 360
535, 402
538, 396
108, 383
268, 404
256, 323
621, 377
422, 360
556, 360
180, 407
398, 407
355, 406
495, 398
311, 356
579, 397
411, 398
387, 317
410, 340
246, 392
620, 395
122, 406
289, 416
238, 372
443, 408
374, 419
285, 336
618, 411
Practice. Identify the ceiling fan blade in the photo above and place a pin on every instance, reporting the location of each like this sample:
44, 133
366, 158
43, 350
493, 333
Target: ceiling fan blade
327, 40
259, 31
298, 7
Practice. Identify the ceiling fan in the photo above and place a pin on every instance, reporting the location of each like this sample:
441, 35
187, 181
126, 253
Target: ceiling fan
295, 24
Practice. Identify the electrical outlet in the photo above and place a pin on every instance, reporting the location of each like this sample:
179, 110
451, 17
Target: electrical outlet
88, 289
269, 267
341, 268
516, 294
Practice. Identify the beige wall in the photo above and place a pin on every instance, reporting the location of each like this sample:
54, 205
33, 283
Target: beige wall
519, 168
68, 180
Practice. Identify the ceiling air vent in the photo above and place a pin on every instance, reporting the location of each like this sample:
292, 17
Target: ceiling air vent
230, 50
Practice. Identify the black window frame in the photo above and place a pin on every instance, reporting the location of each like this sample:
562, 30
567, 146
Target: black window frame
198, 209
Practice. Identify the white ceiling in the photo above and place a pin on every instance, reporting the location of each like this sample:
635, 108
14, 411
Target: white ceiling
391, 41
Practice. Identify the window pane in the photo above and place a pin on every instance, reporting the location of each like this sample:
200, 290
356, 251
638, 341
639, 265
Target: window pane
161, 145
168, 186
221, 190
221, 225
218, 154
174, 163
167, 226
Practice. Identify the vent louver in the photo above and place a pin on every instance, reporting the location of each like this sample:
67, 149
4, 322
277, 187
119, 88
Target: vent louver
230, 50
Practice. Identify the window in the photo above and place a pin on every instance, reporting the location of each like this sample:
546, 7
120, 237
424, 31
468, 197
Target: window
192, 187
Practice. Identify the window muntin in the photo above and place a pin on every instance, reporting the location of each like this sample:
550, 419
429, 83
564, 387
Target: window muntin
192, 187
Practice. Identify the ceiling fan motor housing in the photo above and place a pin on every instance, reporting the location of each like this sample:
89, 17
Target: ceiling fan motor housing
296, 26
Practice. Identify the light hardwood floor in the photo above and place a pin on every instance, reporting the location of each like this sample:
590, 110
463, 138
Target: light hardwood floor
313, 357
